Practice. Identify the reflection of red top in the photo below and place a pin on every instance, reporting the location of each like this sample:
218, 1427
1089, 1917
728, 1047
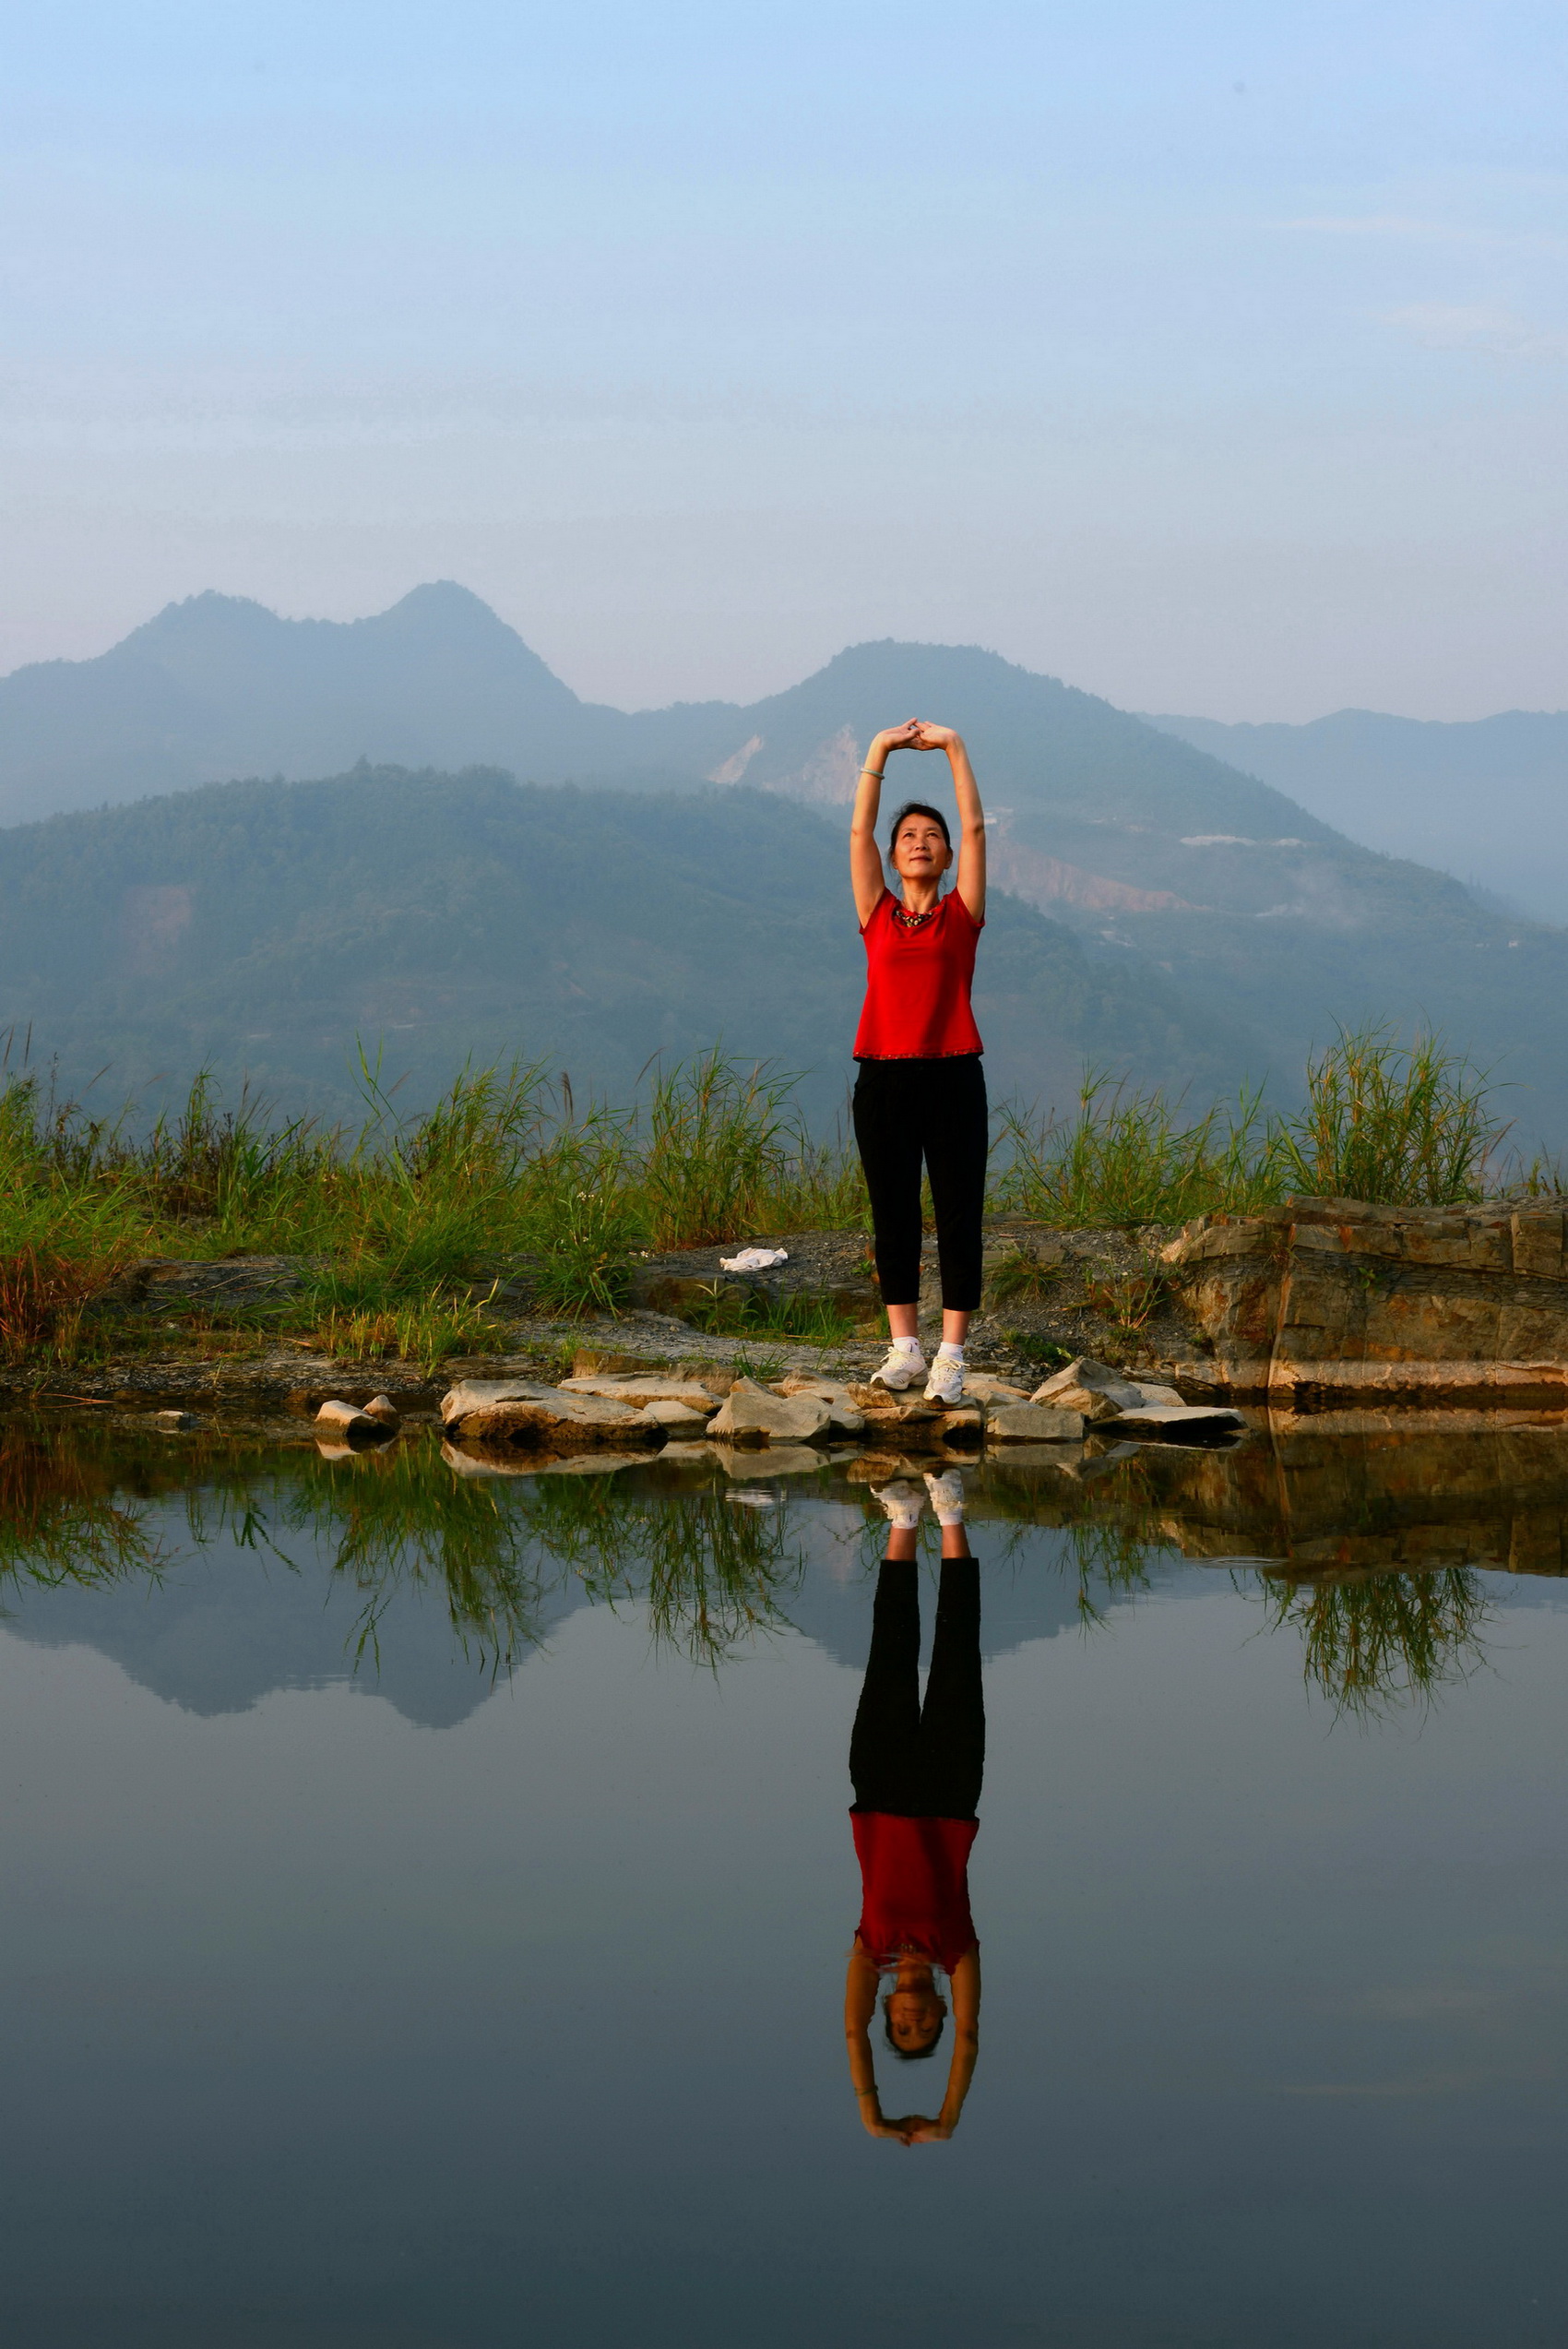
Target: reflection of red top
917, 1004
915, 1886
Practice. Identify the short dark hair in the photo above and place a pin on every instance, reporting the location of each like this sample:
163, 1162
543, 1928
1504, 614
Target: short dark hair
913, 2055
917, 807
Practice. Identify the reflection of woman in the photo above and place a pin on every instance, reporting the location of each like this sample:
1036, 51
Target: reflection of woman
917, 1773
921, 1091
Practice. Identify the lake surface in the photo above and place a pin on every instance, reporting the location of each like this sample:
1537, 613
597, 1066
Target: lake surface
427, 1897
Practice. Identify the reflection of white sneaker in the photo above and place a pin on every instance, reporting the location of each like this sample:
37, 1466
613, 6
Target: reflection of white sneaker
946, 1496
903, 1505
903, 1366
945, 1384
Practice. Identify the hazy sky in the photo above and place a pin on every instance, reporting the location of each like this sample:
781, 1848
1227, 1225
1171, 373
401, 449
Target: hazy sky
1210, 356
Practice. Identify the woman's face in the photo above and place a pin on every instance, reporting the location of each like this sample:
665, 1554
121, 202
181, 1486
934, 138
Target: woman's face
914, 2016
920, 853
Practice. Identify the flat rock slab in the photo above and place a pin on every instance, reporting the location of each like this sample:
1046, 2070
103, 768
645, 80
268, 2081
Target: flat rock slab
753, 1415
1185, 1418
1032, 1423
647, 1387
519, 1411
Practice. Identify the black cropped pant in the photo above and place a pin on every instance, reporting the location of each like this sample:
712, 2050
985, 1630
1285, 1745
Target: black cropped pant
921, 1762
907, 1111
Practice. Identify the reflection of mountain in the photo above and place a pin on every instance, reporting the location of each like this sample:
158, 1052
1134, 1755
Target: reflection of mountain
224, 1627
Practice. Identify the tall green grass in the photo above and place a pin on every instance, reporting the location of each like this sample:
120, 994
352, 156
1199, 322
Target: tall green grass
1388, 1123
409, 1223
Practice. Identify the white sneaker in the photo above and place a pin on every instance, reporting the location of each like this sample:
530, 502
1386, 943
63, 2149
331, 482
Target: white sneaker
946, 1496
903, 1505
945, 1384
900, 1370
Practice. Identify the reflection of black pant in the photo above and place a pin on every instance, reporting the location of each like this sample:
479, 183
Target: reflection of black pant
904, 1111
922, 1763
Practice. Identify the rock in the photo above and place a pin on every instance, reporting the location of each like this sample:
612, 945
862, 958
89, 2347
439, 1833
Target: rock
1335, 1300
518, 1410
677, 1418
980, 1386
1088, 1387
1032, 1423
752, 1415
347, 1419
965, 1424
845, 1417
382, 1409
643, 1391
885, 1410
1157, 1394
176, 1423
1182, 1418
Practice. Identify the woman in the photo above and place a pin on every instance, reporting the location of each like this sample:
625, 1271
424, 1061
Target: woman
917, 1772
921, 1091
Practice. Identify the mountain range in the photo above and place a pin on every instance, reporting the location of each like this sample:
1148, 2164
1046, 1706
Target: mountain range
660, 878
1486, 799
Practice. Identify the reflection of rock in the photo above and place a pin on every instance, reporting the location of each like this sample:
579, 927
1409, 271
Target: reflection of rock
1337, 1502
1334, 1298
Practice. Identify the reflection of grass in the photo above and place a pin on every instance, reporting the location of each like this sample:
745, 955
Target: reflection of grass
61, 1519
1375, 1641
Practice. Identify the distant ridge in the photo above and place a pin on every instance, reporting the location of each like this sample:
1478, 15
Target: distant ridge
1486, 798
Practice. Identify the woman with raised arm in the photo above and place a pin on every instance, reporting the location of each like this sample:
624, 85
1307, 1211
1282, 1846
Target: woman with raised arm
919, 1095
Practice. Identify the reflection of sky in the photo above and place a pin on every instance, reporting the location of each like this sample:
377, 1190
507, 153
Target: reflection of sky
322, 2024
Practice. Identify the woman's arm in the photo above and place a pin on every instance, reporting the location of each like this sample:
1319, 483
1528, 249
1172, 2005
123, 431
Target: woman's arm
860, 2005
965, 2051
970, 880
865, 857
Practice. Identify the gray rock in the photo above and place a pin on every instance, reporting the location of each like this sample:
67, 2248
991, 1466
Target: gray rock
845, 1417
519, 1411
176, 1423
1032, 1422
752, 1415
347, 1419
1090, 1386
1154, 1417
640, 1390
983, 1386
384, 1410
679, 1418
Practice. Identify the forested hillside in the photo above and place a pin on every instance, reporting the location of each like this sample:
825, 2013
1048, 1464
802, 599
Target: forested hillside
261, 927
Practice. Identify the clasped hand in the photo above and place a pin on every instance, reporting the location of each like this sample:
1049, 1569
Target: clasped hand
916, 2130
917, 734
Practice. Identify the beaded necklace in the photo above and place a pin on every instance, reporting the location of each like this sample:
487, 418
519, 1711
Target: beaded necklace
908, 921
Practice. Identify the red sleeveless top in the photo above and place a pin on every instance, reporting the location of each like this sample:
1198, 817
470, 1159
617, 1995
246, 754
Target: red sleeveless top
914, 1886
916, 1005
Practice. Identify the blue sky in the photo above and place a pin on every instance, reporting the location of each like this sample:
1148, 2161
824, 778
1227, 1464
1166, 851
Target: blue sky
1212, 357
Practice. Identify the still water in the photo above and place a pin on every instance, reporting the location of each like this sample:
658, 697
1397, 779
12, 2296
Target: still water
426, 1901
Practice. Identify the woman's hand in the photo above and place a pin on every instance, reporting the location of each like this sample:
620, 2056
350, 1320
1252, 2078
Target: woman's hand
894, 738
929, 737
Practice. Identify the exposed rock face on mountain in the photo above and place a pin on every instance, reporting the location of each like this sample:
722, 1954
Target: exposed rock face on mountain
1332, 1301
